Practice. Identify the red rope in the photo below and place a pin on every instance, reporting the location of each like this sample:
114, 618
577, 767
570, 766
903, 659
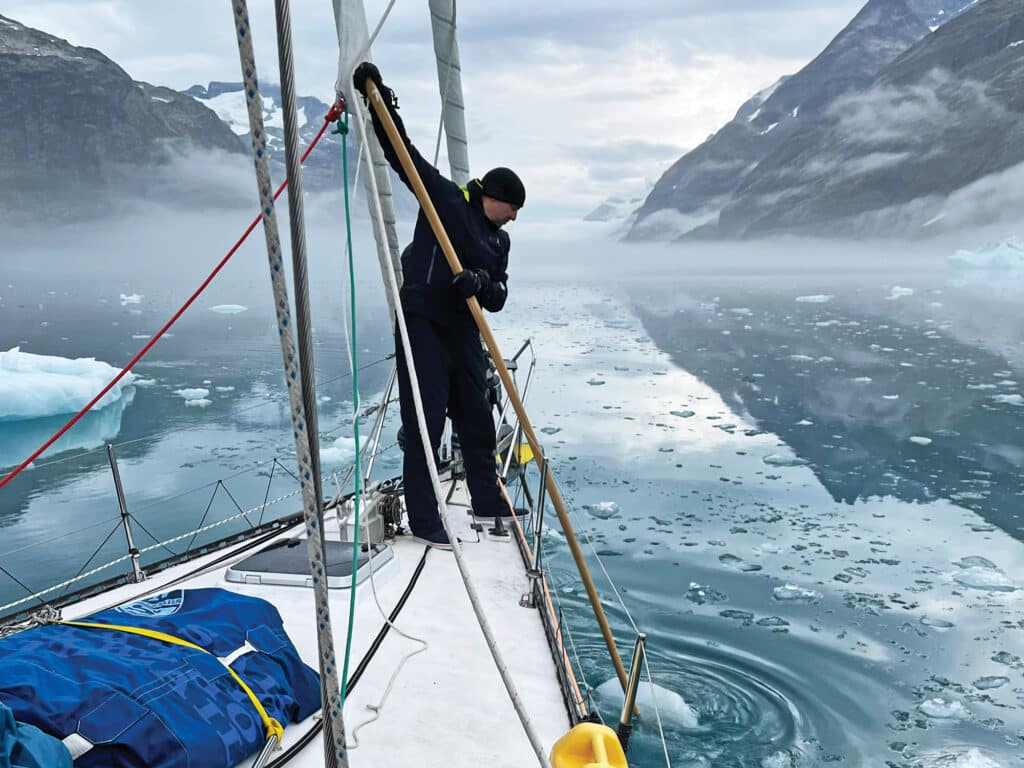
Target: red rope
331, 116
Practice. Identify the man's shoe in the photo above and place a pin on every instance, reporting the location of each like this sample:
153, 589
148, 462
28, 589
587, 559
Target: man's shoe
504, 513
437, 539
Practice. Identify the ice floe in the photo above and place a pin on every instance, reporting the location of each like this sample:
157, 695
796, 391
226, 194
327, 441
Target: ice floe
939, 708
980, 573
919, 440
228, 309
192, 393
818, 298
35, 386
131, 298
603, 509
1013, 399
792, 592
671, 706
897, 292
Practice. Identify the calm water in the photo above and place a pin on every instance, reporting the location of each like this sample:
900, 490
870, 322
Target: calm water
807, 488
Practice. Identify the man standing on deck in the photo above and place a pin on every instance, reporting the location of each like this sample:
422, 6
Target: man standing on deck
445, 341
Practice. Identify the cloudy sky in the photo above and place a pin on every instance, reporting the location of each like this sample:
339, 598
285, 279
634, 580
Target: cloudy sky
585, 98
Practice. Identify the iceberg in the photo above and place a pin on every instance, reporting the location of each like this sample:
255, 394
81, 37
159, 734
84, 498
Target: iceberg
37, 386
19, 439
1005, 256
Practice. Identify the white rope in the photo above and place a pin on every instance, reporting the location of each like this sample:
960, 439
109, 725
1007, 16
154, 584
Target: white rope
424, 646
657, 712
467, 580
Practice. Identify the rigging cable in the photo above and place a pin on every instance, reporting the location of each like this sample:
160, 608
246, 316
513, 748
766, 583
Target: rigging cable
657, 713
335, 752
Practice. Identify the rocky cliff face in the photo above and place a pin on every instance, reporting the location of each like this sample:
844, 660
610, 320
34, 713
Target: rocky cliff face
946, 113
703, 180
321, 171
76, 126
723, 185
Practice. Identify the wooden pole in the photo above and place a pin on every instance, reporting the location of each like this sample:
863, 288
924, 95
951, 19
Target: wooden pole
378, 105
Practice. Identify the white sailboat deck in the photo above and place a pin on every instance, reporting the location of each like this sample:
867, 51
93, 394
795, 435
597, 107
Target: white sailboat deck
448, 705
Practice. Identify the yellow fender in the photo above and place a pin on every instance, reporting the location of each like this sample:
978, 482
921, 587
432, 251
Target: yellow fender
588, 745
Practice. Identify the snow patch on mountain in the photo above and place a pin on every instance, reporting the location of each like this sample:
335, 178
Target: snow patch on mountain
231, 107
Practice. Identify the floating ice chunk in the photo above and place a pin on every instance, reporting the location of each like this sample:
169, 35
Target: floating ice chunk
700, 594
131, 298
792, 592
989, 683
934, 623
778, 460
595, 382
778, 759
975, 561
671, 706
228, 309
918, 440
890, 397
801, 358
199, 402
683, 414
192, 393
944, 709
981, 574
341, 451
863, 380
897, 292
34, 386
1013, 399
225, 389
818, 298
805, 423
603, 510
143, 382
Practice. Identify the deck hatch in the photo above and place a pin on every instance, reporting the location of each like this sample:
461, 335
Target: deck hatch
286, 563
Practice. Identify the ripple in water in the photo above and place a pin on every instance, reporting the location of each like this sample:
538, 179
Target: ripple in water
732, 715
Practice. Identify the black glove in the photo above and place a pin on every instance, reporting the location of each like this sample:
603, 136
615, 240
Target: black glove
363, 72
471, 282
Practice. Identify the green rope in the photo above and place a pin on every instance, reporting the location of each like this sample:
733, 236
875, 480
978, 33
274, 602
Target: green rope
342, 129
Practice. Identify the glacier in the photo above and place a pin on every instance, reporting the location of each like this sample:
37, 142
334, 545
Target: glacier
37, 386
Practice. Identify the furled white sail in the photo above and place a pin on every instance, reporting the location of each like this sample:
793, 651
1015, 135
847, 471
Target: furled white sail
354, 47
449, 80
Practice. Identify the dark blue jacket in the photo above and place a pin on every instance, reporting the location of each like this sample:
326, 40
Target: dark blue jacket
427, 287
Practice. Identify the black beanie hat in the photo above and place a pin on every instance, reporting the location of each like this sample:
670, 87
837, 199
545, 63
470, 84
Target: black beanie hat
503, 184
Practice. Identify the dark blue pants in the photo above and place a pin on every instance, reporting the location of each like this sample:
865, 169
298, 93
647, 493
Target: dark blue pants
452, 373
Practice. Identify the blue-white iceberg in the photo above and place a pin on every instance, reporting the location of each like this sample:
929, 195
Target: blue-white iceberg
36, 386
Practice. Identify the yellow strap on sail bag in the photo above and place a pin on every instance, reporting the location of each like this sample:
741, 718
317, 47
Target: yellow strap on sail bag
272, 727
